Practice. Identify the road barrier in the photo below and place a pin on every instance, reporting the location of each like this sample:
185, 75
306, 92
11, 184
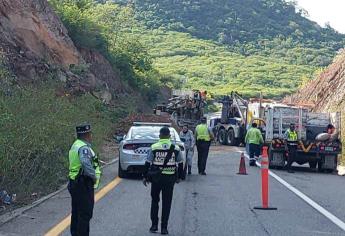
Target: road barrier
264, 181
242, 170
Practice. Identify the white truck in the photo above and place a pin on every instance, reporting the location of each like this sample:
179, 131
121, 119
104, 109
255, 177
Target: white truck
276, 119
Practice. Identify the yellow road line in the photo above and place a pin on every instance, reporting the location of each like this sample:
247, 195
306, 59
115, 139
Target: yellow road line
62, 226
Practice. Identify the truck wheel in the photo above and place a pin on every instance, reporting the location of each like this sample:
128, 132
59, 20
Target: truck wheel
231, 138
270, 157
320, 166
222, 137
312, 164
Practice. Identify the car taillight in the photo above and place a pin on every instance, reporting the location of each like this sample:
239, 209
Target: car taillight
129, 146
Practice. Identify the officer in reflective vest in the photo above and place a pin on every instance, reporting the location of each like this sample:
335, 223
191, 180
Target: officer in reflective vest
203, 136
291, 139
166, 180
84, 176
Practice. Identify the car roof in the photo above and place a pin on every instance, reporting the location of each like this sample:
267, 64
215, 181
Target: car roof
156, 127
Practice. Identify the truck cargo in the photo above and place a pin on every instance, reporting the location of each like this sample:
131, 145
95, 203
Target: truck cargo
184, 107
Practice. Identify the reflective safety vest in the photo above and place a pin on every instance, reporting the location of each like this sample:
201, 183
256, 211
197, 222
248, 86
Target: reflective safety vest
202, 133
160, 151
292, 136
75, 165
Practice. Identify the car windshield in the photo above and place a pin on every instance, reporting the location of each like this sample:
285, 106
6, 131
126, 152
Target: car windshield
150, 132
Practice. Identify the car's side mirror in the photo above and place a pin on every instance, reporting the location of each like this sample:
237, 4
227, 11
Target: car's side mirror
119, 138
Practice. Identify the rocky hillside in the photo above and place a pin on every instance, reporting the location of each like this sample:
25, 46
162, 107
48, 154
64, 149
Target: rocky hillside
327, 92
35, 43
48, 85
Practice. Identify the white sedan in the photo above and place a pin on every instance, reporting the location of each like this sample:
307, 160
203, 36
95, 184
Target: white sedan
136, 144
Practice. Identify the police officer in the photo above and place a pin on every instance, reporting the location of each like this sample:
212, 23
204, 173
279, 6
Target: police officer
84, 175
166, 180
203, 136
291, 139
187, 137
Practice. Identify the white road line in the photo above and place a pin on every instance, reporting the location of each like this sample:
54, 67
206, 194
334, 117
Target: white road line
305, 198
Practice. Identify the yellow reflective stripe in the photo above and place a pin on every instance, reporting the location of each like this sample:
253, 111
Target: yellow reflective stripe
304, 148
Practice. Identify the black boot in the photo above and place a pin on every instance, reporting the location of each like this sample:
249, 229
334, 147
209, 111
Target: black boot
189, 170
154, 228
164, 230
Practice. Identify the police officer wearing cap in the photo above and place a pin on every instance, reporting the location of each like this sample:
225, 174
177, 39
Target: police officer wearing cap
84, 175
166, 157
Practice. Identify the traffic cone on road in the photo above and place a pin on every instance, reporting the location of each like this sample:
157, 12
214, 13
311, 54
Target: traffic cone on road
242, 170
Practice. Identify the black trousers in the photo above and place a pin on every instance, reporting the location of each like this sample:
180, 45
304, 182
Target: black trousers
292, 149
165, 185
254, 150
82, 193
203, 148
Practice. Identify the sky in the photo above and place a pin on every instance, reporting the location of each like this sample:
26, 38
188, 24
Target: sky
322, 11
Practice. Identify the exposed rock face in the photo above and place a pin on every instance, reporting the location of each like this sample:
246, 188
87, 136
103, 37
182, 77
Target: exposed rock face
326, 93
31, 32
99, 66
35, 43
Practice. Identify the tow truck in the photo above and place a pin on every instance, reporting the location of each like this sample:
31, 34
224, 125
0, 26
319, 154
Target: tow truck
230, 127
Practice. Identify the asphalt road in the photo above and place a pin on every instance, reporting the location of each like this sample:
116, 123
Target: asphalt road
220, 203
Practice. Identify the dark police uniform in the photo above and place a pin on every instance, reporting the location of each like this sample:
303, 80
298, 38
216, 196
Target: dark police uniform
84, 174
166, 182
291, 138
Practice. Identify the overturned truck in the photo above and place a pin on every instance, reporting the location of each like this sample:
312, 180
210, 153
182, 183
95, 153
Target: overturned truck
184, 107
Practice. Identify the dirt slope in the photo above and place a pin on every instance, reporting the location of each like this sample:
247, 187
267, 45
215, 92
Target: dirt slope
35, 44
327, 92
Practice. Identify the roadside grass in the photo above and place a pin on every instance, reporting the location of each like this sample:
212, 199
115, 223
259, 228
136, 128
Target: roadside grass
37, 128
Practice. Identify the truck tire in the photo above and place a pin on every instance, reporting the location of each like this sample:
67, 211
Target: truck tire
320, 165
222, 137
270, 157
312, 164
232, 141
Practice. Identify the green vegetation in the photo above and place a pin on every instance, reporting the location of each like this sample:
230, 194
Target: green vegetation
201, 64
237, 21
36, 131
107, 29
244, 45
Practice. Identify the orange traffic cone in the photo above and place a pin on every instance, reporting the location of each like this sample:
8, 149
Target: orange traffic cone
242, 170
264, 181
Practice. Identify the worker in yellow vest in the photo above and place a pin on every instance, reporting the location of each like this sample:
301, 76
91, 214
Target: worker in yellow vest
291, 143
203, 137
84, 176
